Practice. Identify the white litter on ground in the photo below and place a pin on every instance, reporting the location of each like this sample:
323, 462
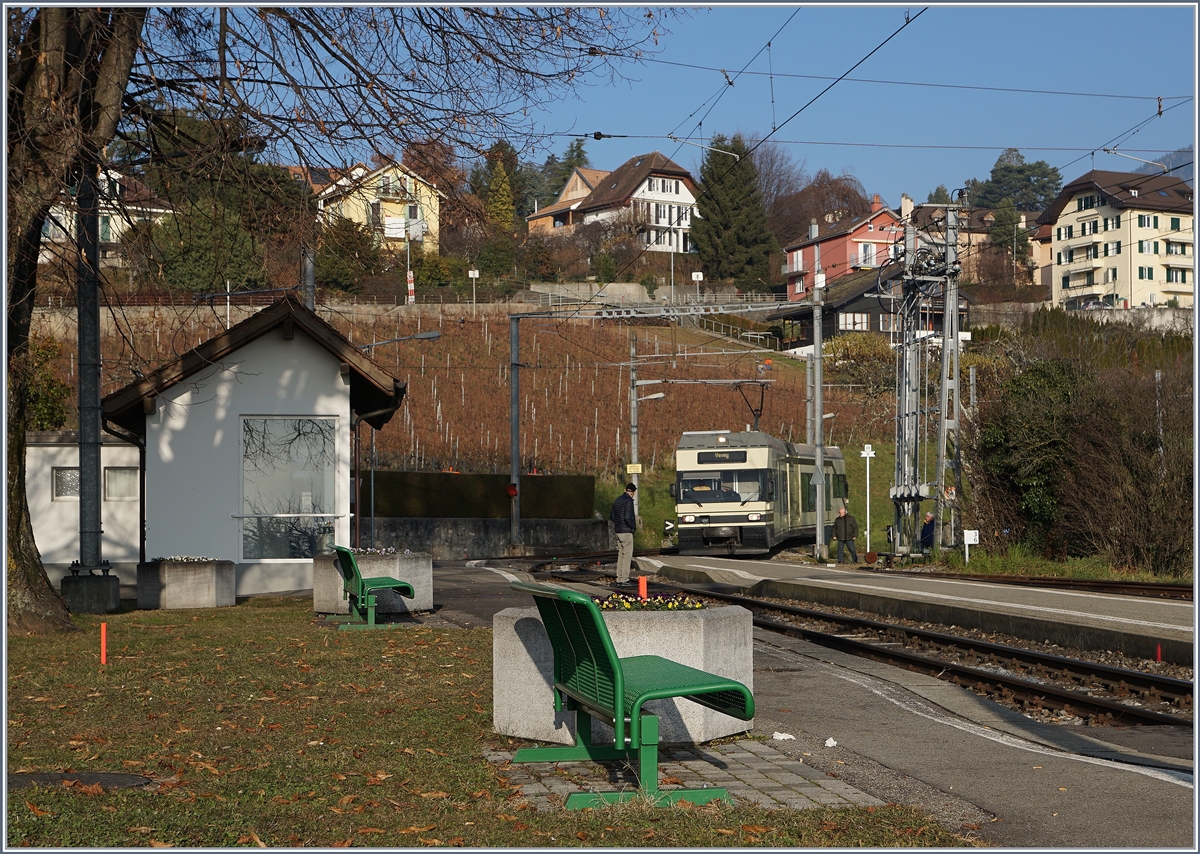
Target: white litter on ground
829, 742
783, 736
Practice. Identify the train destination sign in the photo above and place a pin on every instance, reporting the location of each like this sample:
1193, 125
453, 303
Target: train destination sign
721, 457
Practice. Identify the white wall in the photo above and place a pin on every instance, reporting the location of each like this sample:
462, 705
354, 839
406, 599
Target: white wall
56, 523
194, 454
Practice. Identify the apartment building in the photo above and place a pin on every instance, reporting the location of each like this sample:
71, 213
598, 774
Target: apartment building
1122, 240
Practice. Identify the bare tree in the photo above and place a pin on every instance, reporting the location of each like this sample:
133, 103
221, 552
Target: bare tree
826, 198
779, 175
303, 85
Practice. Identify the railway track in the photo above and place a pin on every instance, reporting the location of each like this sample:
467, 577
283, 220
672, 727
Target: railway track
1029, 680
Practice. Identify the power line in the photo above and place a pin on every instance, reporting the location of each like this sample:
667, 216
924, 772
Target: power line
929, 85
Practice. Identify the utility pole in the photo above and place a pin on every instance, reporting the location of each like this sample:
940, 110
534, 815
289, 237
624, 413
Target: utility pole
818, 424
634, 467
88, 304
514, 414
950, 399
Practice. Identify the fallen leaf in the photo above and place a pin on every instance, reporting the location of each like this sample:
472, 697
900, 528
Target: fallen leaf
671, 781
345, 843
370, 830
725, 832
425, 828
435, 752
1062, 788
347, 799
504, 817
581, 835
97, 789
144, 830
38, 811
756, 828
154, 843
435, 794
429, 841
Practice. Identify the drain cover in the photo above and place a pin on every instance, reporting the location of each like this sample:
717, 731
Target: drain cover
108, 781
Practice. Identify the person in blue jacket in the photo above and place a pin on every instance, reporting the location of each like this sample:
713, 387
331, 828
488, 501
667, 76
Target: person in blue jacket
624, 521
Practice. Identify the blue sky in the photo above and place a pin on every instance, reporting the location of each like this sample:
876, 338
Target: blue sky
1102, 69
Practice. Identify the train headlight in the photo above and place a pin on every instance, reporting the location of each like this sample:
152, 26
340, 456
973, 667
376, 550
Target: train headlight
688, 518
754, 517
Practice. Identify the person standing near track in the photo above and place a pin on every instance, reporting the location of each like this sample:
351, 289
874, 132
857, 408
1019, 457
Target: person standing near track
624, 521
845, 529
927, 531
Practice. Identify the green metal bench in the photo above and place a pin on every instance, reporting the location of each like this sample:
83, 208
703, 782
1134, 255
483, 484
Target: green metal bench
591, 680
361, 592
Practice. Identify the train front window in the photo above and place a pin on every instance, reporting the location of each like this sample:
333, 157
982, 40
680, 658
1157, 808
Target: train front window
704, 487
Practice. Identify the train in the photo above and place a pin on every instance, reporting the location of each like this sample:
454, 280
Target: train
746, 493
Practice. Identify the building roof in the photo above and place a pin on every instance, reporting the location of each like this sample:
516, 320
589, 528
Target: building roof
1132, 190
316, 177
844, 289
619, 186
838, 228
615, 189
592, 177
375, 395
358, 176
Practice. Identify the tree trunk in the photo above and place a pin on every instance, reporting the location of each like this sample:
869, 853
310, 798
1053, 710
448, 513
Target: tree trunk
66, 79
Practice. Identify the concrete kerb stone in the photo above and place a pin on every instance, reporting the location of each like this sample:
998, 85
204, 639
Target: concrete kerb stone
543, 785
415, 567
716, 640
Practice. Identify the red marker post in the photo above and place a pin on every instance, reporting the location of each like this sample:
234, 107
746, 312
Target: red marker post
104, 643
642, 586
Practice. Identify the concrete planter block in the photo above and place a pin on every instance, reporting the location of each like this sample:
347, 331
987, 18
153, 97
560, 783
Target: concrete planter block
170, 584
415, 568
717, 640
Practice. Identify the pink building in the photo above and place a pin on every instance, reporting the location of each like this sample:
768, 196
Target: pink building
841, 245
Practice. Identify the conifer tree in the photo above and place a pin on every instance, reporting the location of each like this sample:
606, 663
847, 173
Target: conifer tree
730, 232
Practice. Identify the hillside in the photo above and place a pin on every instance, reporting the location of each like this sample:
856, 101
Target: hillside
574, 383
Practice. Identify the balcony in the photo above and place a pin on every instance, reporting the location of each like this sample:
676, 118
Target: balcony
393, 192
789, 270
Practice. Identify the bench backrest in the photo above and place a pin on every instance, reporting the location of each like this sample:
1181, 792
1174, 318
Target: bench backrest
348, 567
585, 661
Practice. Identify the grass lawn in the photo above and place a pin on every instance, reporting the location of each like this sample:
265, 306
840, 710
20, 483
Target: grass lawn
261, 727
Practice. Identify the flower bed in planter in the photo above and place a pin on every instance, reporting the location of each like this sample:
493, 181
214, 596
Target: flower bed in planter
415, 567
186, 582
717, 640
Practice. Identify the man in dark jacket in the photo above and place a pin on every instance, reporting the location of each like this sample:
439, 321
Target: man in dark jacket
927, 532
845, 529
624, 521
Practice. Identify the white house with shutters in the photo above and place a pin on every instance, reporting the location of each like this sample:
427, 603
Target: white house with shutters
1122, 239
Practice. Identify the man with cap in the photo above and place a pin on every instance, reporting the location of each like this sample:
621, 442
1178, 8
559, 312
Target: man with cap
624, 521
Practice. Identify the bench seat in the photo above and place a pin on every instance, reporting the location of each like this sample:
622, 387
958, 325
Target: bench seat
589, 677
361, 592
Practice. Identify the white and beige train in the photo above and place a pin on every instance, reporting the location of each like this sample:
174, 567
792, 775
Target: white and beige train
746, 493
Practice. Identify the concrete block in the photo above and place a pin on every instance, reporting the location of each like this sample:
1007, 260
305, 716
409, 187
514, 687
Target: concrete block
415, 568
91, 594
170, 584
717, 640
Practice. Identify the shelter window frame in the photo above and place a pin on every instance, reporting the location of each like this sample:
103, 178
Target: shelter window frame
289, 467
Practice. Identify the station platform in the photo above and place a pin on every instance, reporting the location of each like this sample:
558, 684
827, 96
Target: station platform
1141, 627
834, 730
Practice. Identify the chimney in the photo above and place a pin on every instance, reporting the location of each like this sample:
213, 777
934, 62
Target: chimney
876, 204
906, 207
813, 230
